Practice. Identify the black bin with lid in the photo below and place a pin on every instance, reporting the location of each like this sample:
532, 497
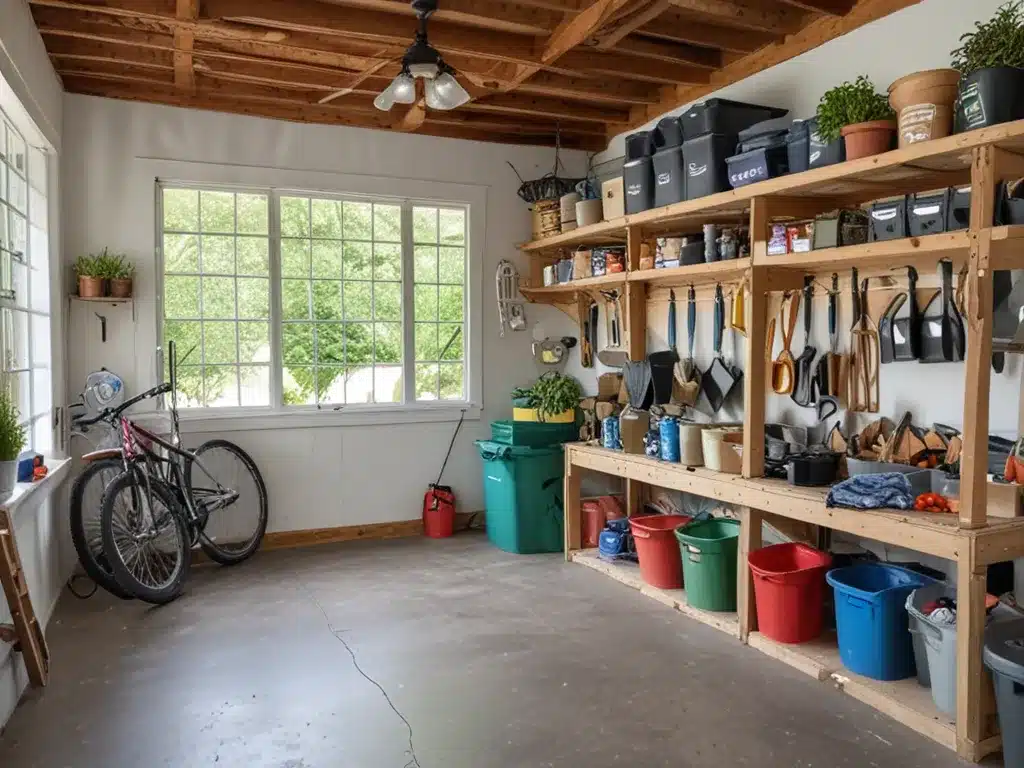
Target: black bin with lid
639, 144
958, 213
725, 117
669, 176
707, 171
798, 146
889, 218
821, 152
668, 133
638, 184
927, 212
762, 153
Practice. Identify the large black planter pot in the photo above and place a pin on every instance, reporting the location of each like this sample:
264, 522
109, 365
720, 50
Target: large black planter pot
989, 97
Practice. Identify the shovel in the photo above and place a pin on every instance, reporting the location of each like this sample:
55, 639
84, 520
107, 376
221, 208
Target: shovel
688, 375
613, 355
663, 363
720, 378
803, 366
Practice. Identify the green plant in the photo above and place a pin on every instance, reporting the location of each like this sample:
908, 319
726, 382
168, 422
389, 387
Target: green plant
87, 266
556, 393
525, 397
998, 42
122, 269
849, 104
110, 265
12, 433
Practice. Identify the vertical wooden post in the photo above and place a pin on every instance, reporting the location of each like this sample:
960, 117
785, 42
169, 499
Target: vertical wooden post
971, 679
572, 511
636, 497
754, 385
974, 464
634, 244
750, 540
636, 299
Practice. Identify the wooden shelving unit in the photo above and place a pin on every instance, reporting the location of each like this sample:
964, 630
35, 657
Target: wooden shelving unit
980, 158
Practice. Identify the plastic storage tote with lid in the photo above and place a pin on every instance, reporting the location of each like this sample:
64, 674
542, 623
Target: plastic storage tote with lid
706, 169
523, 497
872, 620
638, 179
821, 152
889, 218
798, 146
724, 116
1004, 655
927, 212
669, 176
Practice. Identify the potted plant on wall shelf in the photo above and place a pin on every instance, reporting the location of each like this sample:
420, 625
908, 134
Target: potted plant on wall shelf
121, 273
924, 104
12, 440
861, 115
88, 270
991, 64
557, 396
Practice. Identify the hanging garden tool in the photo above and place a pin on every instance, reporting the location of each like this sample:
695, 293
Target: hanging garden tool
738, 316
863, 389
942, 327
803, 387
783, 367
687, 373
900, 337
663, 363
588, 344
511, 313
613, 355
721, 377
830, 375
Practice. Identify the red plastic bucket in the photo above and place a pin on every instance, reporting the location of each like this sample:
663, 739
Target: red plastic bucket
656, 546
789, 589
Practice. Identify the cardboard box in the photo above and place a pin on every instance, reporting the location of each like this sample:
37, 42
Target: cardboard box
613, 199
1004, 500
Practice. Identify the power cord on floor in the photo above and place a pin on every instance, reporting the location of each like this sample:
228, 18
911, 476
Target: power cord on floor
71, 588
414, 762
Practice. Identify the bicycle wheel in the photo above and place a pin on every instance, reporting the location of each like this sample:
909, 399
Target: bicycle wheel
145, 538
86, 510
232, 529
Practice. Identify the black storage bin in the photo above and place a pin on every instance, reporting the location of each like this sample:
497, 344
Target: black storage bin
669, 176
990, 96
889, 219
759, 164
761, 134
841, 228
958, 211
724, 116
1010, 202
669, 133
926, 212
798, 145
821, 152
638, 183
639, 144
706, 168
692, 253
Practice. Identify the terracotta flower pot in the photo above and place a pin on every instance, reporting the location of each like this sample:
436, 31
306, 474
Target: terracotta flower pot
121, 287
924, 104
90, 287
866, 139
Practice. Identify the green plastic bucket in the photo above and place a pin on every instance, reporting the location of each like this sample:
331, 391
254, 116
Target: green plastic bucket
709, 550
523, 496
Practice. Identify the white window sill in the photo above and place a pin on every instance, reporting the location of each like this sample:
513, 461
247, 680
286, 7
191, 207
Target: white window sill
34, 493
195, 422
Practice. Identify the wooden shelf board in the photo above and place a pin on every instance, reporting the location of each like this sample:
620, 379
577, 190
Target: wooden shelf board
101, 299
603, 233
916, 251
629, 574
928, 164
903, 700
565, 293
695, 274
1008, 247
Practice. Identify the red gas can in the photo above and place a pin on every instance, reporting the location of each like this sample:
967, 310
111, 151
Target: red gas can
439, 512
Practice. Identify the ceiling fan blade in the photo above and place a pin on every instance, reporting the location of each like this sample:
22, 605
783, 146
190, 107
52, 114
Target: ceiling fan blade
358, 80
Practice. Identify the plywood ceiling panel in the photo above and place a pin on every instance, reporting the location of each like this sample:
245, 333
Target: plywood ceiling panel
580, 69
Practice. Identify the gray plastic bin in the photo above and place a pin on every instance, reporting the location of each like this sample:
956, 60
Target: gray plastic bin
1004, 655
934, 647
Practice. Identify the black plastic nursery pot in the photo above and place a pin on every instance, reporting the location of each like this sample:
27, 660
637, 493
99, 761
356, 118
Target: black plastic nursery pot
990, 96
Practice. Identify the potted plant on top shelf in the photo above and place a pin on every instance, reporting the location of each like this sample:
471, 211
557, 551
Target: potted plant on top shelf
121, 273
861, 115
88, 270
12, 440
991, 64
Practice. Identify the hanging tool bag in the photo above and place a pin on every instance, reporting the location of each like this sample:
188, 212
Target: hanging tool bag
942, 327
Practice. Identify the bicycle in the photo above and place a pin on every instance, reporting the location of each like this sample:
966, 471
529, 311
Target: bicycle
168, 500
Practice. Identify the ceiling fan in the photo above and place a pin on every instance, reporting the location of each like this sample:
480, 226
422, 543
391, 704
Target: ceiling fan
442, 90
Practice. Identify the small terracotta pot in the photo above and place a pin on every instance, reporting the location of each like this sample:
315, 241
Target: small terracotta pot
90, 287
866, 139
121, 287
924, 103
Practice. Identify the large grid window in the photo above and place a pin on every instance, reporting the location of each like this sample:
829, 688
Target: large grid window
25, 282
309, 300
216, 256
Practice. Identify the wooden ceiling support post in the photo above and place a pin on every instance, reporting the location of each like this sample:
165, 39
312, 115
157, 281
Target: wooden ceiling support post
184, 42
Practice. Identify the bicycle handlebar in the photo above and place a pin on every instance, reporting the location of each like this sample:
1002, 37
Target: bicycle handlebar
107, 414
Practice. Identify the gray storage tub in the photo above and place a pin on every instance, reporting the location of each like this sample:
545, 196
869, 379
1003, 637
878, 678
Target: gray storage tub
1004, 655
934, 647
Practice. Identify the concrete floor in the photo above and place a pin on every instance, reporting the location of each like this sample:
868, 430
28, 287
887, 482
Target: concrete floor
496, 661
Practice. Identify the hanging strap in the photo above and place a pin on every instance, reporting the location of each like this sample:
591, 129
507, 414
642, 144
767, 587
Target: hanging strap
808, 297
719, 319
691, 318
789, 327
833, 314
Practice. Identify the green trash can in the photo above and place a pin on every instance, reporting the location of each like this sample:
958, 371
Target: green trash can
523, 495
709, 549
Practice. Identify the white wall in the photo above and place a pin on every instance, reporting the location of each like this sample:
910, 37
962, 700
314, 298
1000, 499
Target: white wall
324, 477
27, 77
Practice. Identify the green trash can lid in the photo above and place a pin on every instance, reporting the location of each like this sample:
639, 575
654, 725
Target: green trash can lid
489, 449
1004, 648
712, 535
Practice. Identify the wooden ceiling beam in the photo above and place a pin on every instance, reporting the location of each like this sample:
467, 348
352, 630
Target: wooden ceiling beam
587, 89
829, 7
683, 28
606, 66
573, 31
184, 40
746, 14
494, 14
555, 109
609, 37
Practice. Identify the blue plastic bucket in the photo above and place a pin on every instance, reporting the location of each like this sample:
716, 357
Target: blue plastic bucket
872, 621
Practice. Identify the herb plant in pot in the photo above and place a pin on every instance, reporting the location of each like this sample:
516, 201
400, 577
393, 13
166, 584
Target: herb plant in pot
121, 273
88, 270
859, 114
12, 440
991, 64
557, 397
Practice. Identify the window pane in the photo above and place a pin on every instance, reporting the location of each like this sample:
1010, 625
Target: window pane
387, 223
327, 259
330, 343
217, 211
357, 301
15, 151
189, 382
426, 264
426, 302
426, 342
294, 217
387, 261
358, 344
37, 162
19, 280
295, 299
253, 343
297, 344
298, 385
252, 214
42, 391
181, 253
41, 351
37, 213
16, 340
255, 385
449, 341
330, 383
451, 265
221, 386
358, 221
253, 297
42, 435
327, 219
452, 226
327, 299
295, 258
218, 297
449, 303
18, 233
451, 381
187, 336
387, 384
387, 346
357, 264
219, 343
387, 301
426, 381
424, 225
218, 255
17, 193
181, 210
253, 256
359, 385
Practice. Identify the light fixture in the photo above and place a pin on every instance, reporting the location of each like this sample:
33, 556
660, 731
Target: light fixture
421, 61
